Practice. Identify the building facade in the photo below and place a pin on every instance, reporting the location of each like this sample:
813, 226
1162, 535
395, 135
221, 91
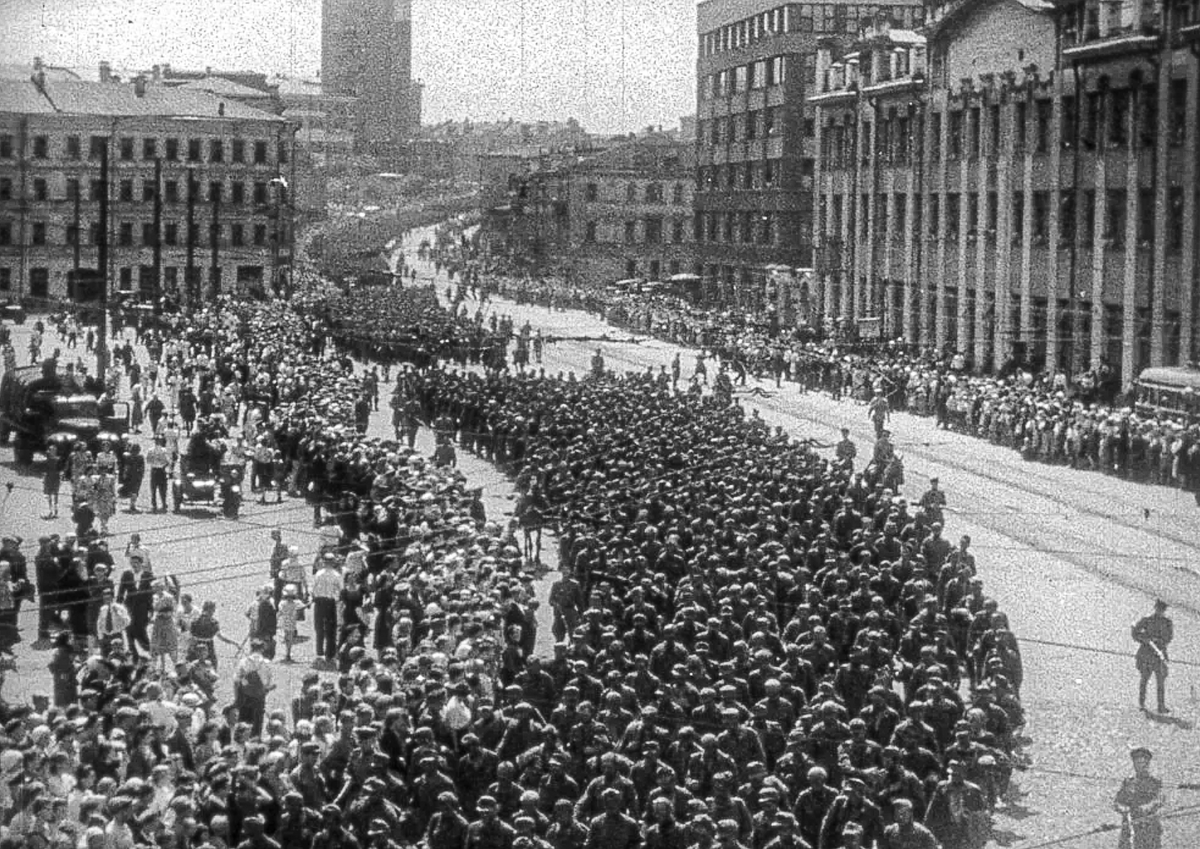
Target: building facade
197, 194
594, 217
1020, 183
630, 212
755, 133
366, 56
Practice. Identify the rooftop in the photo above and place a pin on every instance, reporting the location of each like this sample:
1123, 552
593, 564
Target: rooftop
121, 100
224, 88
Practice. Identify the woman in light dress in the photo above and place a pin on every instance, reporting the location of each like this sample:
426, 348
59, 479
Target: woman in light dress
164, 630
104, 498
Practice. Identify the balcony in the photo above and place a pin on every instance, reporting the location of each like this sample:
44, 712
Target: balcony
1115, 41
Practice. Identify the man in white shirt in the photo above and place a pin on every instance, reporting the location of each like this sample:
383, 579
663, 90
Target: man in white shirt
158, 461
111, 622
326, 590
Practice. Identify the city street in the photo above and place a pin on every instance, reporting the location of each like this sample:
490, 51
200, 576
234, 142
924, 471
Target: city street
212, 557
1074, 557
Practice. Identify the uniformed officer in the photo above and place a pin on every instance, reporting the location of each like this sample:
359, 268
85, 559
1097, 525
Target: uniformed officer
846, 450
1153, 634
933, 502
1139, 801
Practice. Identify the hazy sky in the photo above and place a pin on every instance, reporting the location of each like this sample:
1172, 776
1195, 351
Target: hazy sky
467, 52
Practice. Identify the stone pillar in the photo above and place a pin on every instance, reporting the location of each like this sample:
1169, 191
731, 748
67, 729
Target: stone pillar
1189, 309
939, 258
912, 192
1004, 328
1158, 259
1099, 213
1129, 334
1053, 284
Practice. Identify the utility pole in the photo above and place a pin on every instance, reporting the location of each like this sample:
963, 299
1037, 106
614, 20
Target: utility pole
102, 261
74, 287
157, 231
214, 232
190, 283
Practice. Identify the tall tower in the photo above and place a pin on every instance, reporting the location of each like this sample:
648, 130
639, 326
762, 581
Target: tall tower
366, 57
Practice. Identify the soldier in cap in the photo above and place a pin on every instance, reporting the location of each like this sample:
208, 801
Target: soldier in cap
957, 812
489, 831
851, 806
1153, 634
613, 829
447, 827
1139, 801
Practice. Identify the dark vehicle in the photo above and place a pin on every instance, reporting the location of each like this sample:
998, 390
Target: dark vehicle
218, 487
1169, 391
13, 312
36, 407
208, 474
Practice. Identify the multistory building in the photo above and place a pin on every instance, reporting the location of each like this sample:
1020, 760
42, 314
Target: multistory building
1018, 183
366, 56
197, 196
755, 132
630, 212
594, 217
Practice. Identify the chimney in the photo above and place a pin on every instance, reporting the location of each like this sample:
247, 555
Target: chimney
852, 72
139, 85
105, 72
824, 61
39, 74
221, 109
156, 73
917, 60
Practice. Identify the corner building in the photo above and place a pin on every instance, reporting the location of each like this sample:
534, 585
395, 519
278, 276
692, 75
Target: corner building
756, 134
1018, 180
198, 192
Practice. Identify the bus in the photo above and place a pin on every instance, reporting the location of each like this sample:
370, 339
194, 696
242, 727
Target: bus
1166, 391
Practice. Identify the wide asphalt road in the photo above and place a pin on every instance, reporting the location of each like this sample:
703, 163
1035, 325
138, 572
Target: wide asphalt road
1073, 557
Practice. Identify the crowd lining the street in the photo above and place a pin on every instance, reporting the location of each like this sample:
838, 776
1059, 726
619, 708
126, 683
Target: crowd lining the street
754, 646
1044, 416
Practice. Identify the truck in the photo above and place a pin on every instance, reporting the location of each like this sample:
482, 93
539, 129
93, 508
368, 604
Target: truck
38, 405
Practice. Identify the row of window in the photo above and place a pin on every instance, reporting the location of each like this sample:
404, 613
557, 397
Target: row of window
238, 151
1118, 117
1077, 221
126, 191
747, 126
763, 73
39, 278
173, 234
1097, 19
652, 269
805, 17
651, 230
652, 193
746, 227
756, 174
